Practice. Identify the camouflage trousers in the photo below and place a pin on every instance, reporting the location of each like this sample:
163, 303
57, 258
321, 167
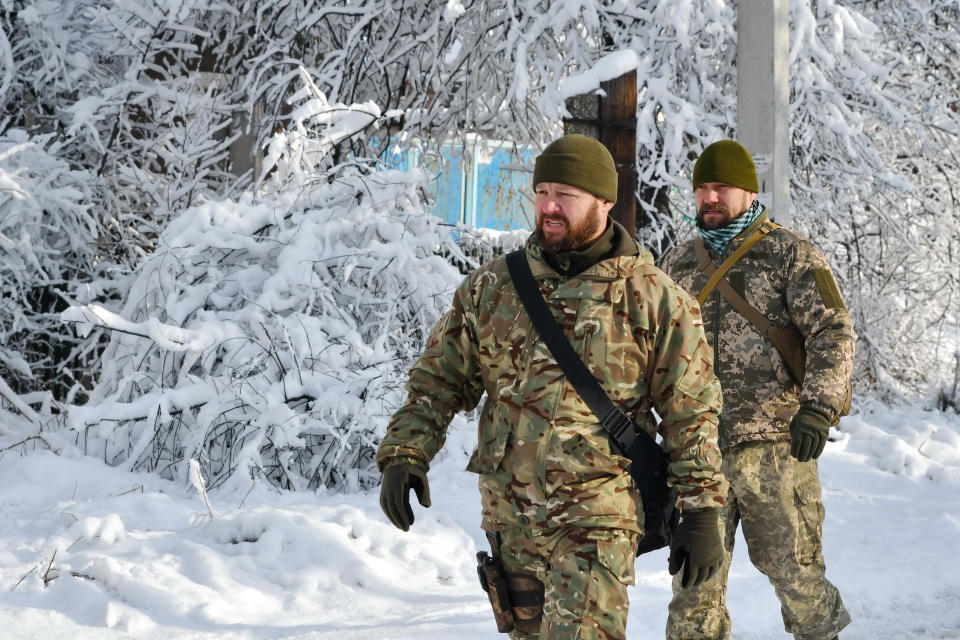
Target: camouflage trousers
777, 500
585, 572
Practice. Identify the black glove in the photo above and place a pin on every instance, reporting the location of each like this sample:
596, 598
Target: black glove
696, 546
398, 479
808, 434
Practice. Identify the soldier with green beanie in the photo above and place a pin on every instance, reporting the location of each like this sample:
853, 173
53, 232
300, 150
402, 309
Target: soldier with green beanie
773, 427
556, 496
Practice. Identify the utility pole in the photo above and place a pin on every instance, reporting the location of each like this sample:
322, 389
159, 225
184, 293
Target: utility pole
763, 97
612, 119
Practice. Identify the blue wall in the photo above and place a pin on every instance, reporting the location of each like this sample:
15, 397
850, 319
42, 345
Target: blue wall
489, 186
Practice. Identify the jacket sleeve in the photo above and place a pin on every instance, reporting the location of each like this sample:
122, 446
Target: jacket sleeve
817, 309
686, 395
444, 380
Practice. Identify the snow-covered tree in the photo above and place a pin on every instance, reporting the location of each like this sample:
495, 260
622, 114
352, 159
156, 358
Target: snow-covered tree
106, 132
270, 335
874, 123
122, 122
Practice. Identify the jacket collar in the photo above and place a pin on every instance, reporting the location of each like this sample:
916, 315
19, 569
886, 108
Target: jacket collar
615, 268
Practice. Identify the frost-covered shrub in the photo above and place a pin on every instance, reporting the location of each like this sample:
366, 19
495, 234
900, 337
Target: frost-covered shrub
49, 237
271, 335
483, 245
106, 127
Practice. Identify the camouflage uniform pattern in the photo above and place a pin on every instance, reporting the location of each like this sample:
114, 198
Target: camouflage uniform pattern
777, 500
775, 497
585, 573
544, 460
789, 281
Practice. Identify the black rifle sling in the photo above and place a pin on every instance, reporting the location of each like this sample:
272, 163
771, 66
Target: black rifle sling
613, 419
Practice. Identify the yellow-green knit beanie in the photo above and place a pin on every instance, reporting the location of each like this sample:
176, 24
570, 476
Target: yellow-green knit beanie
579, 161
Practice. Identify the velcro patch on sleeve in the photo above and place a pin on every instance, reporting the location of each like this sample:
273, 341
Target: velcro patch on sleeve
829, 291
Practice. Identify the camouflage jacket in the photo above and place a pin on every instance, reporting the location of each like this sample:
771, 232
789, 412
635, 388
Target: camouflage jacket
543, 458
789, 281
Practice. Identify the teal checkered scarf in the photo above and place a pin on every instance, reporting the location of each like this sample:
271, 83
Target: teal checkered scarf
718, 239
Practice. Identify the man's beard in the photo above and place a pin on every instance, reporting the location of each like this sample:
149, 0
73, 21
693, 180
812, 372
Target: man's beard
577, 237
728, 217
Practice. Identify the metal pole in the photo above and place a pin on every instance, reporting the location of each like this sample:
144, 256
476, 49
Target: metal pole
763, 98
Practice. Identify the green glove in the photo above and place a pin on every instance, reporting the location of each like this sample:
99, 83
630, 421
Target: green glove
398, 479
808, 434
696, 546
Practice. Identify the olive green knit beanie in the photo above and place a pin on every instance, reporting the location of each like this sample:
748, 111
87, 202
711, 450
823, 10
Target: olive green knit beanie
579, 161
728, 162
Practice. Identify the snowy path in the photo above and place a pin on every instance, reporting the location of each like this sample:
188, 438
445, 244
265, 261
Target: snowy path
140, 557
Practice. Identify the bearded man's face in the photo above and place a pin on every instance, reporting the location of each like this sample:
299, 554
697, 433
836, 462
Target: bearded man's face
568, 218
719, 204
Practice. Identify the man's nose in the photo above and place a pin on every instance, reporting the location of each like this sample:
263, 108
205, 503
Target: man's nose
549, 205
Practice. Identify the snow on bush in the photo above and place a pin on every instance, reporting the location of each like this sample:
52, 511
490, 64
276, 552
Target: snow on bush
271, 336
49, 249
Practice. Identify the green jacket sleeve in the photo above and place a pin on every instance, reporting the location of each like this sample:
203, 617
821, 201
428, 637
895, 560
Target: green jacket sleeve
687, 397
817, 309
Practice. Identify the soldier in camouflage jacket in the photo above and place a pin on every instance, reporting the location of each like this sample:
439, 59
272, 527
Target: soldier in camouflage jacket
551, 485
771, 429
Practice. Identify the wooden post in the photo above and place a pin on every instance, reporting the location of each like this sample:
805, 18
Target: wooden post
618, 113
612, 119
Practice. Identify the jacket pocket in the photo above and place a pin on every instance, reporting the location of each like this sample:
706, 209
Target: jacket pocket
604, 338
492, 436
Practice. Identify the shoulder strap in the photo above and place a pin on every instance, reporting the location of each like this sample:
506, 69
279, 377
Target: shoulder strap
788, 341
715, 273
611, 417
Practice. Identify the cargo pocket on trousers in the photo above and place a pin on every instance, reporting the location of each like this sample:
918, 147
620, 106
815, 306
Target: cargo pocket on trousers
610, 574
617, 551
809, 521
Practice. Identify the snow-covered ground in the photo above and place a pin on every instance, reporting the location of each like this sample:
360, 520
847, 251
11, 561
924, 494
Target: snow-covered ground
89, 551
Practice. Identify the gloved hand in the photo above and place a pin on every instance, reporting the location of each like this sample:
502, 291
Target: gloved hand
398, 479
808, 434
696, 546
